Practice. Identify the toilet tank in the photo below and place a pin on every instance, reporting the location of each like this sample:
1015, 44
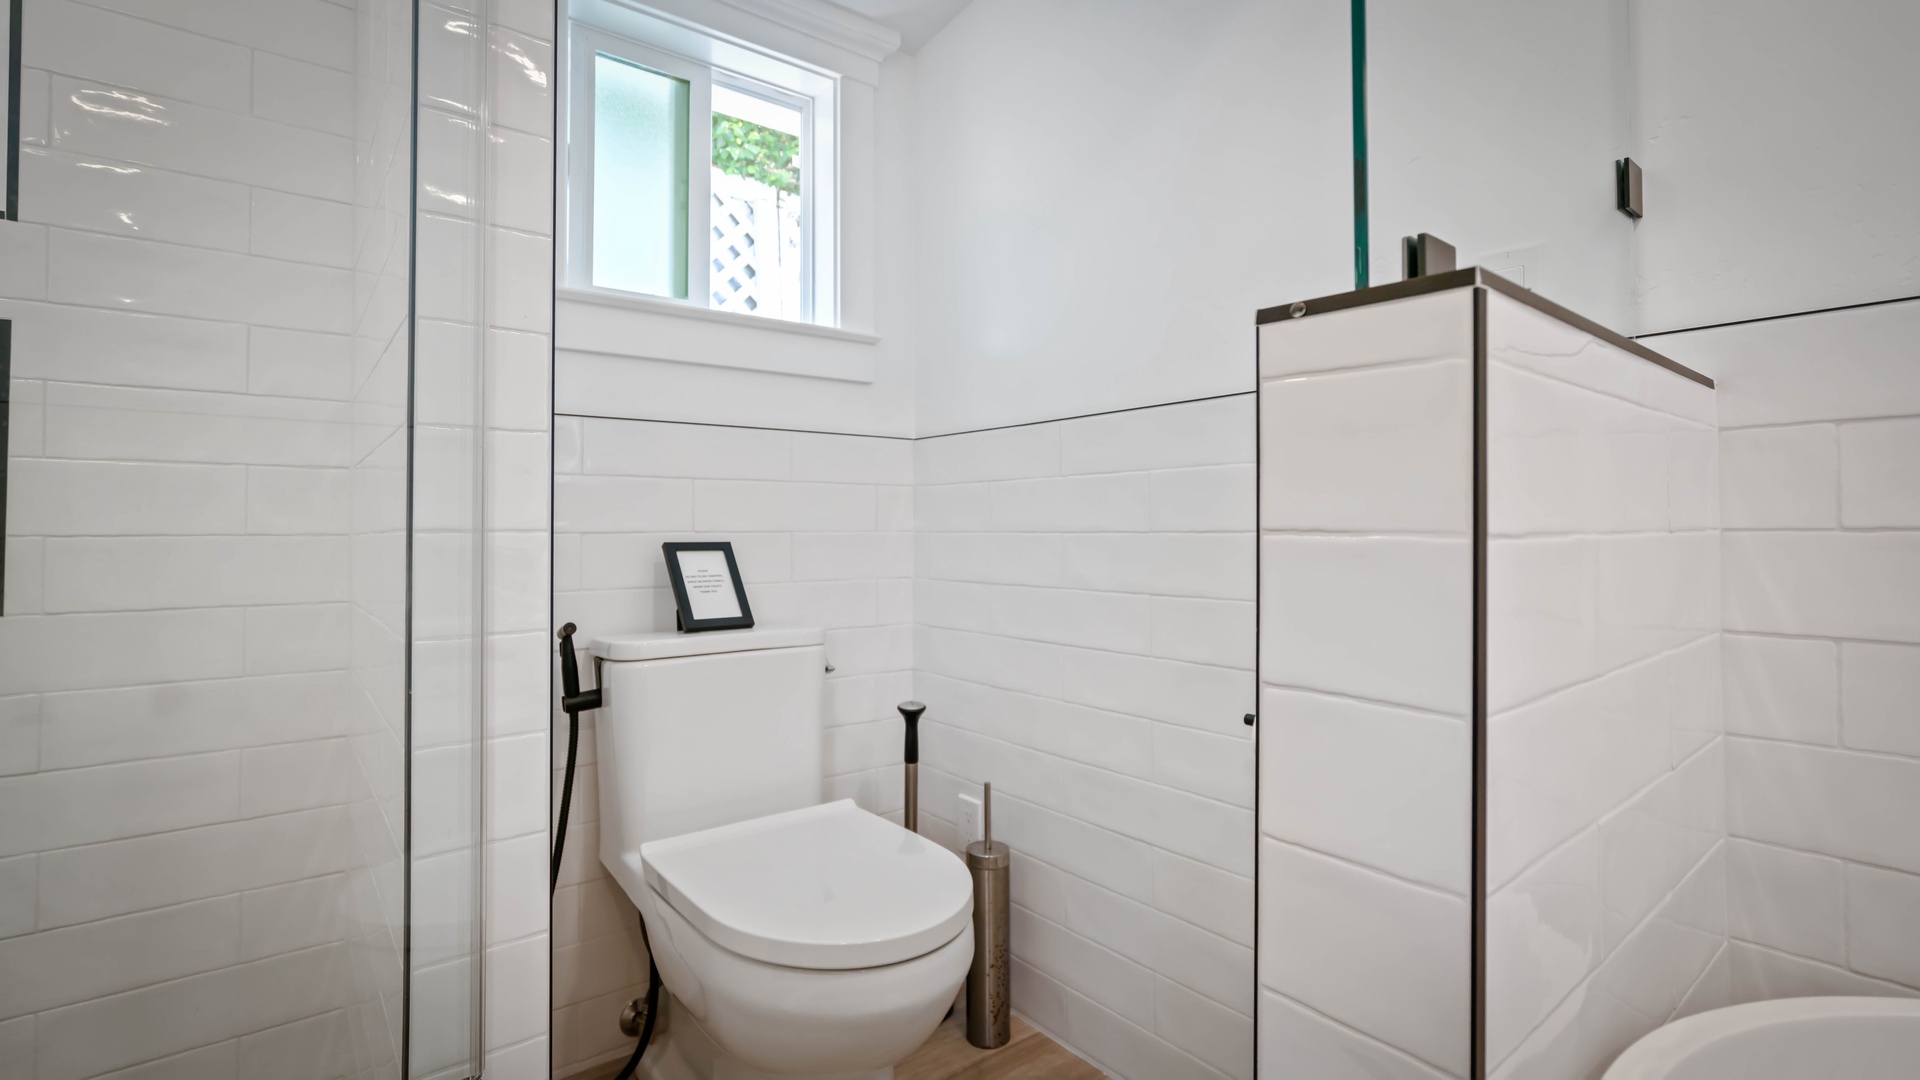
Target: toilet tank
705, 729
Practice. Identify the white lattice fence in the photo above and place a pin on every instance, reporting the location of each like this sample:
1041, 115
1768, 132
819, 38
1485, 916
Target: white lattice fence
756, 248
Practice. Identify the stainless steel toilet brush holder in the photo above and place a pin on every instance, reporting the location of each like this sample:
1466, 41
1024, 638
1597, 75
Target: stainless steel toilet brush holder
989, 980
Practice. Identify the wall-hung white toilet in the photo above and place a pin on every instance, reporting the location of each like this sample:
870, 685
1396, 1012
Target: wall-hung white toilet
796, 939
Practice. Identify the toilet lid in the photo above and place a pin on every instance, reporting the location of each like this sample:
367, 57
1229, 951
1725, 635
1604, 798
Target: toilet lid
827, 887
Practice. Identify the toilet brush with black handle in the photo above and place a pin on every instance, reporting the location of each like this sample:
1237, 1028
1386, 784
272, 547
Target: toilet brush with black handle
910, 711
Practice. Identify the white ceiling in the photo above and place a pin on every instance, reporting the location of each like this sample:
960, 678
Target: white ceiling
915, 20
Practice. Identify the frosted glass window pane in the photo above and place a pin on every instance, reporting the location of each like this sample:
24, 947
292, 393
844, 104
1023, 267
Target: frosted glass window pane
639, 179
759, 229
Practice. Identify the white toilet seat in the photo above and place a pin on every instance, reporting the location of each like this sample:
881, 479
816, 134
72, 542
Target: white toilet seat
827, 887
878, 919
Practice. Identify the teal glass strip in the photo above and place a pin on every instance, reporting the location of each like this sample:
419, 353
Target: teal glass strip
1360, 242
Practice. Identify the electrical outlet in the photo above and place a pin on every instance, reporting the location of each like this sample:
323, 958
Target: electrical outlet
970, 824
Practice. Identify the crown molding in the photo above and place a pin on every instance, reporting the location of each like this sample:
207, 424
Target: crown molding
830, 23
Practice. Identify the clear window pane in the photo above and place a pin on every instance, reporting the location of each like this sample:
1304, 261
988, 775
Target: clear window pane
758, 236
639, 179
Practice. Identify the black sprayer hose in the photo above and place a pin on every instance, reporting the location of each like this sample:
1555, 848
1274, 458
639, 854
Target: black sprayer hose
653, 1007
572, 700
566, 801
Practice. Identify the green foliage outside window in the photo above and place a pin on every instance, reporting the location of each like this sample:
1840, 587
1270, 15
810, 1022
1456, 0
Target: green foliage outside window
757, 153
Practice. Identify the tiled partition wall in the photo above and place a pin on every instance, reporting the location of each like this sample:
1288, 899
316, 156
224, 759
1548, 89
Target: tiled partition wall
1456, 481
821, 525
1820, 490
1366, 665
1606, 871
174, 660
1083, 640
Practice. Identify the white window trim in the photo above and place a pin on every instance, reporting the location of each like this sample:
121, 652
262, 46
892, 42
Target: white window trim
653, 305
646, 39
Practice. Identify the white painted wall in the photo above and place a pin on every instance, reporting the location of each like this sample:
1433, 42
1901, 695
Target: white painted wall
1107, 191
1820, 490
1782, 157
1494, 125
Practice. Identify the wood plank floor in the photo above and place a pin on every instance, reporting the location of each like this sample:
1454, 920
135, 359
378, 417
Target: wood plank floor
946, 1055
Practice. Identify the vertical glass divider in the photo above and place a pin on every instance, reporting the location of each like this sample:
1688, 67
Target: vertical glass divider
16, 21
1361, 243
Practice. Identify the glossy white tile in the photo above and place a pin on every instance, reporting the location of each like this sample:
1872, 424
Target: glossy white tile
1382, 618
1387, 450
1879, 477
1111, 503
311, 30
1216, 432
1879, 686
99, 194
148, 129
1829, 366
1379, 955
1782, 688
115, 272
1882, 909
1438, 327
1837, 802
1384, 787
1831, 584
1758, 973
1001, 454
1787, 900
1780, 477
129, 48
302, 94
1297, 1041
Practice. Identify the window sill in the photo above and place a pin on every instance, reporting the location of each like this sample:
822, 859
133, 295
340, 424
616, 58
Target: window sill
632, 302
600, 324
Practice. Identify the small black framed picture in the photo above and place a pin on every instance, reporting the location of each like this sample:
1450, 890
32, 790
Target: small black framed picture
706, 586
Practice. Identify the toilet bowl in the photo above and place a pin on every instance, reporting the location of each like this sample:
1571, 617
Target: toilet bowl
823, 942
795, 938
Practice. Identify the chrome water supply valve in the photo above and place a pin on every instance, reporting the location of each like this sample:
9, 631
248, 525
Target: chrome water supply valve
910, 712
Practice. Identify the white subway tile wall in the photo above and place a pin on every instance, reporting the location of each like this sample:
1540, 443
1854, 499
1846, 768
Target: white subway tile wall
821, 526
518, 426
1366, 613
1083, 618
200, 756
1607, 861
1821, 419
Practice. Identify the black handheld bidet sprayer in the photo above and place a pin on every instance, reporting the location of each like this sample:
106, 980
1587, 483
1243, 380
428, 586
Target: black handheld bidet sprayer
910, 712
572, 702
643, 1012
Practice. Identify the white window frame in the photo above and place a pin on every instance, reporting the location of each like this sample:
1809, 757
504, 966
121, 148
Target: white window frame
586, 44
701, 60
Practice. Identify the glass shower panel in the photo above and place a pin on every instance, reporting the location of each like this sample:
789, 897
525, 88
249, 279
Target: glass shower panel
448, 511
9, 114
1494, 125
